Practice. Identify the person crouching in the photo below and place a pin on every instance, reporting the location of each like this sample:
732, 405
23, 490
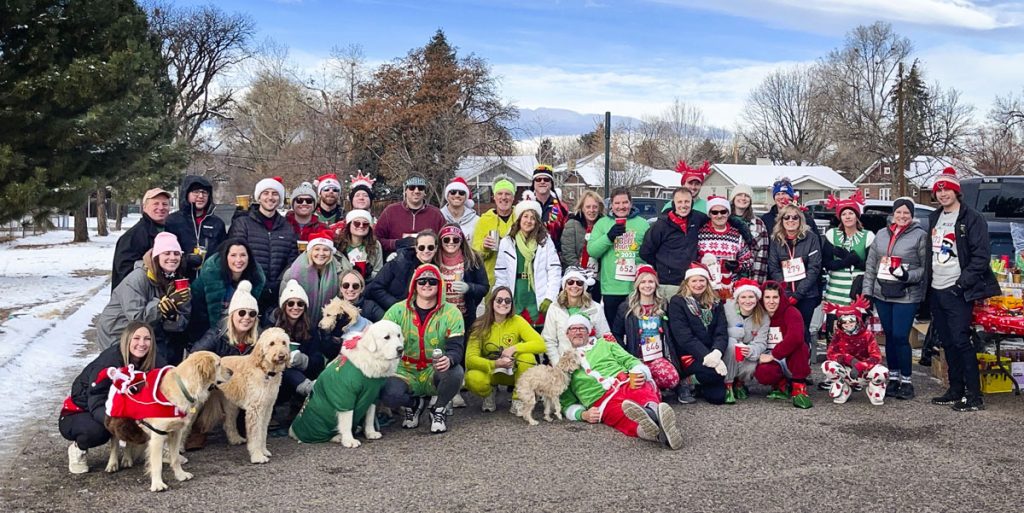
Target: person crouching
853, 356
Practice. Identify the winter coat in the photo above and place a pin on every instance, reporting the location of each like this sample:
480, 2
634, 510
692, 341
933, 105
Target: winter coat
131, 246
786, 330
669, 249
136, 299
320, 285
808, 247
216, 341
626, 329
369, 309
397, 221
770, 216
392, 283
547, 271
554, 214
574, 241
912, 247
467, 222
742, 330
625, 246
211, 294
973, 252
374, 263
490, 221
90, 396
208, 233
304, 232
556, 323
273, 249
690, 337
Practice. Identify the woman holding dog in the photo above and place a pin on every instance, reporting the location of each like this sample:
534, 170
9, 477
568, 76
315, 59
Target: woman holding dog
463, 272
641, 326
501, 346
697, 324
307, 360
573, 299
216, 283
343, 325
237, 332
316, 270
356, 246
528, 265
83, 412
153, 293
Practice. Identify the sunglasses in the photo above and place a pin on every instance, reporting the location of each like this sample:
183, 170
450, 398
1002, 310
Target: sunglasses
247, 313
293, 304
719, 212
542, 180
503, 301
427, 282
577, 283
330, 189
360, 224
426, 247
303, 201
456, 193
790, 217
353, 286
419, 188
451, 240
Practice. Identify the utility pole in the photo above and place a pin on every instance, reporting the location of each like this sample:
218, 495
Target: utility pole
607, 152
899, 184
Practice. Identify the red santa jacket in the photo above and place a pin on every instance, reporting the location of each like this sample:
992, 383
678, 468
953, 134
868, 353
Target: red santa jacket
859, 350
136, 394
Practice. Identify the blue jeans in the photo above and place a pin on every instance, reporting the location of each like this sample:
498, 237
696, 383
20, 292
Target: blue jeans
897, 319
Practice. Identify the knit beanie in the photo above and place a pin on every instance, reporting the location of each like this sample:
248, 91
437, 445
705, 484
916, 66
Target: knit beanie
946, 181
304, 189
783, 184
903, 202
164, 242
292, 290
242, 298
276, 183
459, 184
742, 189
545, 171
528, 204
503, 184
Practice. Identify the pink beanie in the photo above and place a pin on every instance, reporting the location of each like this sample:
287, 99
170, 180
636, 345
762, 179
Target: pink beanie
164, 242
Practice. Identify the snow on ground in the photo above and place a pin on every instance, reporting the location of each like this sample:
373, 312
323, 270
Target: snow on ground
52, 291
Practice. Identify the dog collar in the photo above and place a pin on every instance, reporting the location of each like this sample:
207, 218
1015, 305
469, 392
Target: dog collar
184, 391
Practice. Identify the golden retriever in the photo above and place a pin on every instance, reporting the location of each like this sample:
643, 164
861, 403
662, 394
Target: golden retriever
547, 382
375, 357
253, 388
187, 386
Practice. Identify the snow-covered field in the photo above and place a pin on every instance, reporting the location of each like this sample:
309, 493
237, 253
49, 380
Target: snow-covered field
51, 292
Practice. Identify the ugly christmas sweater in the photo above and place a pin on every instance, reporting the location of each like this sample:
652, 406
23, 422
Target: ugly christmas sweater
859, 351
724, 245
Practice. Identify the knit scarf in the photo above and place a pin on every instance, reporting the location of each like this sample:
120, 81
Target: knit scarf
699, 310
527, 248
679, 221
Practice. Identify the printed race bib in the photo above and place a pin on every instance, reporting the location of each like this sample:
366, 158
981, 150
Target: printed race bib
793, 270
625, 269
652, 349
774, 337
883, 270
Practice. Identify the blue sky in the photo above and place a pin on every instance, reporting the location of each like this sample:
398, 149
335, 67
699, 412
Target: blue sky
634, 57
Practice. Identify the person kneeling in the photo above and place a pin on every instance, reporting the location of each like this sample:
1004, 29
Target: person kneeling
612, 387
853, 356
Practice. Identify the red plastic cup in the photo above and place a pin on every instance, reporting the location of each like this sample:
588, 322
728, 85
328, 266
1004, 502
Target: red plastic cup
895, 261
620, 220
181, 284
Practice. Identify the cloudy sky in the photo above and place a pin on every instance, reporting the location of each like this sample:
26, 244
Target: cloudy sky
633, 57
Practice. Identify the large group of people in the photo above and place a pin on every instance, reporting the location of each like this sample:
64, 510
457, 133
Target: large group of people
698, 303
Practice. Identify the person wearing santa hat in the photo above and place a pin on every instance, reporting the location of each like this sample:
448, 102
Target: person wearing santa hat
328, 191
699, 334
357, 246
316, 271
458, 207
748, 337
301, 216
495, 224
722, 248
958, 262
400, 222
273, 242
360, 192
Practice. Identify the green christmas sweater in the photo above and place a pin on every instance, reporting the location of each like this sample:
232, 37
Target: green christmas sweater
341, 387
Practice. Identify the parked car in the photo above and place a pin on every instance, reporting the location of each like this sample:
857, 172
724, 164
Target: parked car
1001, 200
875, 217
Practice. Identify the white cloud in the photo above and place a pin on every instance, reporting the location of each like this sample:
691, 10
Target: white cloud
980, 76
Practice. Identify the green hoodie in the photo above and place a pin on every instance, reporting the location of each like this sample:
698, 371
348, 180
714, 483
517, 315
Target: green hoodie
620, 259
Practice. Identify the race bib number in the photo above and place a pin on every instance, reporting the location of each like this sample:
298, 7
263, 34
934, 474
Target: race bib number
652, 349
625, 269
883, 269
793, 270
774, 337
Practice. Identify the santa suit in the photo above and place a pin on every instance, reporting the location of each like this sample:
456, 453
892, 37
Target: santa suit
136, 395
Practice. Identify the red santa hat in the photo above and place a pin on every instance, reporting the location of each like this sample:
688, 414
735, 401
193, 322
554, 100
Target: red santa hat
718, 201
697, 269
690, 173
328, 180
459, 184
946, 181
275, 183
746, 285
645, 269
323, 238
854, 202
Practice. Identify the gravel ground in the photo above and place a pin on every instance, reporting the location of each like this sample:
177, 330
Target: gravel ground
755, 456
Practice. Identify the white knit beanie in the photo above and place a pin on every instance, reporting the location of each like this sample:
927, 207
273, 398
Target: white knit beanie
242, 298
742, 188
292, 290
528, 204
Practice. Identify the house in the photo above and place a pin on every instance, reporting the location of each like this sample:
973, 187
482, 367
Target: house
810, 182
480, 172
588, 173
876, 180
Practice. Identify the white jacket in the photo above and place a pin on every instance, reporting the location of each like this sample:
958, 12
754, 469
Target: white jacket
556, 342
547, 269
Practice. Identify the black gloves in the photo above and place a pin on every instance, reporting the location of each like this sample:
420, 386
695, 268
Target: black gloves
616, 230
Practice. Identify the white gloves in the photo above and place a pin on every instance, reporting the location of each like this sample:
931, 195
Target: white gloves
720, 368
459, 287
299, 360
713, 359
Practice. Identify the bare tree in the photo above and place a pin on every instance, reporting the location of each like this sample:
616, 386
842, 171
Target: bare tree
784, 121
683, 129
997, 152
349, 64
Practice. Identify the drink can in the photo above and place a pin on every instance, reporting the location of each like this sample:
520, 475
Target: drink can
494, 235
436, 354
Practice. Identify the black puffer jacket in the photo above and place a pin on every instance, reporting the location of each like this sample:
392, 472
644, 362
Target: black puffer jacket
369, 309
216, 341
391, 284
93, 398
208, 233
273, 249
669, 249
977, 281
131, 246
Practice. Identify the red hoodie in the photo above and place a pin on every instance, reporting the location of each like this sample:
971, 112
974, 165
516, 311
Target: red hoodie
786, 330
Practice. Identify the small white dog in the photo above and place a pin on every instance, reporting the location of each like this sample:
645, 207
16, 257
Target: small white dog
547, 382
347, 389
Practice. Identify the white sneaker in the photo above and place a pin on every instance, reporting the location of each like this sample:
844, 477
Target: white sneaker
458, 401
438, 420
76, 460
489, 402
411, 416
516, 408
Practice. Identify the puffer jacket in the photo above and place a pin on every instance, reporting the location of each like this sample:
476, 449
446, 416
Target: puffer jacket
574, 241
136, 299
392, 283
208, 233
547, 270
977, 281
131, 246
808, 247
216, 341
669, 249
273, 249
211, 295
912, 247
689, 336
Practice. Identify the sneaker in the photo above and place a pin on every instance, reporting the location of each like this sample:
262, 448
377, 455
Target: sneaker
893, 388
411, 416
646, 427
730, 397
517, 408
76, 460
458, 401
438, 420
906, 391
948, 399
685, 395
800, 398
672, 436
489, 402
969, 404
824, 385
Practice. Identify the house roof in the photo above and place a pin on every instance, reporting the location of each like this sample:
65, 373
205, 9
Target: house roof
522, 165
765, 176
591, 170
925, 168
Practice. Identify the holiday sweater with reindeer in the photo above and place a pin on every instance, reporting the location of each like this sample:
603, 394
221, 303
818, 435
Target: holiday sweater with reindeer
725, 245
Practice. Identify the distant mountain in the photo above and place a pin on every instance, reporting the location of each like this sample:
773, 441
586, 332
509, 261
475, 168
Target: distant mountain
552, 122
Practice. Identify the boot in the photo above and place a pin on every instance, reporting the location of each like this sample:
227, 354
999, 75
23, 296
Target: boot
800, 398
779, 391
730, 397
740, 390
76, 460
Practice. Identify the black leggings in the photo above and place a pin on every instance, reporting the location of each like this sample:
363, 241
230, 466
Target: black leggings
84, 430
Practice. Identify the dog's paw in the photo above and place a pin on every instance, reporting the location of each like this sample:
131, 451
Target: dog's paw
158, 486
266, 453
236, 440
258, 458
533, 422
182, 459
351, 443
336, 439
112, 467
373, 435
558, 416
547, 418
183, 476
